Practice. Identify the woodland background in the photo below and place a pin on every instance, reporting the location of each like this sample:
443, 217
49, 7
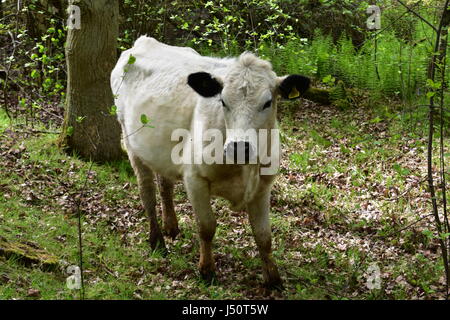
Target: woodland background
362, 182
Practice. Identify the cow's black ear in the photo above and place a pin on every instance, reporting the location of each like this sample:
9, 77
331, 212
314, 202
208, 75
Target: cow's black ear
293, 86
204, 84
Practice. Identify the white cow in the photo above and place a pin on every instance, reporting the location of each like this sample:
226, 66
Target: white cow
179, 89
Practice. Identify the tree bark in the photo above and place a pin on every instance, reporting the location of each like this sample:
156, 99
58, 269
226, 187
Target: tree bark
89, 128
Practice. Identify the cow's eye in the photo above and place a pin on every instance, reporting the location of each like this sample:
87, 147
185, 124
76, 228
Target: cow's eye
223, 104
267, 105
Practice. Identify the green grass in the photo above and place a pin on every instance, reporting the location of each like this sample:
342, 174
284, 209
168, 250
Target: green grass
331, 219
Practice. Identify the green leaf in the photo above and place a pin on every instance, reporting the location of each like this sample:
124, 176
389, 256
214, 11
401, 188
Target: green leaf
433, 85
34, 74
144, 119
376, 120
401, 170
80, 119
22, 102
344, 150
131, 59
319, 139
444, 236
113, 110
69, 131
429, 234
328, 79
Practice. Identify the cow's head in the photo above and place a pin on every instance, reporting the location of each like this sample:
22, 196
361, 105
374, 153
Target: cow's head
248, 96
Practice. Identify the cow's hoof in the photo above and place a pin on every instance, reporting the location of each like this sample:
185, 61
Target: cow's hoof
171, 232
272, 279
157, 244
209, 277
274, 284
162, 250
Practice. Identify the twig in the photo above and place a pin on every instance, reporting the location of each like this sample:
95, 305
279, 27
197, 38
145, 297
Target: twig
375, 34
80, 244
443, 45
418, 16
414, 223
405, 227
406, 192
438, 56
8, 69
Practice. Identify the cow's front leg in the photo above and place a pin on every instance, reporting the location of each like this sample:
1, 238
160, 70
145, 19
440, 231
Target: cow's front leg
199, 194
148, 197
258, 211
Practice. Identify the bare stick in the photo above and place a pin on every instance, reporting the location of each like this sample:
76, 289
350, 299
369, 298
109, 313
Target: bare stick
418, 15
438, 57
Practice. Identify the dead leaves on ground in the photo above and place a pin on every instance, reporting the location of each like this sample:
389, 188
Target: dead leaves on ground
328, 224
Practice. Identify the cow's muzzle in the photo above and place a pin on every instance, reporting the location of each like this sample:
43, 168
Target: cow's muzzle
240, 152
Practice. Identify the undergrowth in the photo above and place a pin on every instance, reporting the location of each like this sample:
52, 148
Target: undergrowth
334, 213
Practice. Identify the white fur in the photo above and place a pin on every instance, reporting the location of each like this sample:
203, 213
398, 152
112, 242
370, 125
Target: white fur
156, 85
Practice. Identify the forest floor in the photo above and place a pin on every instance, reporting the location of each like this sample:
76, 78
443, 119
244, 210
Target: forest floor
350, 199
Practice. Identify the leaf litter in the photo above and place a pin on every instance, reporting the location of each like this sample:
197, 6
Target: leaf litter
333, 214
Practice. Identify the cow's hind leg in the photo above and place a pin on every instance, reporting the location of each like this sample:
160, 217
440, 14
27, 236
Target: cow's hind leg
169, 218
147, 191
258, 211
199, 195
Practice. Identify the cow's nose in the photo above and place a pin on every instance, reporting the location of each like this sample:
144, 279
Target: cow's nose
240, 151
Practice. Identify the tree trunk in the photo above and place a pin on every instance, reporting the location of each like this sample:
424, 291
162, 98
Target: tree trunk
89, 128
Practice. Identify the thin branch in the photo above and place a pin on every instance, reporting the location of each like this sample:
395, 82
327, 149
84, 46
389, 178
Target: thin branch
418, 16
407, 191
443, 48
438, 57
413, 223
7, 71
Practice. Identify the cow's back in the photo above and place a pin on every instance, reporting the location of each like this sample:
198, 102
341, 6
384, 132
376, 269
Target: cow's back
156, 85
